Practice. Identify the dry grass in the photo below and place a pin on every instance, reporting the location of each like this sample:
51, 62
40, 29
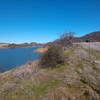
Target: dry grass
74, 80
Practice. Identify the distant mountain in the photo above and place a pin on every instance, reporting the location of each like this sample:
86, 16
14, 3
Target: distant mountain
94, 36
36, 44
13, 45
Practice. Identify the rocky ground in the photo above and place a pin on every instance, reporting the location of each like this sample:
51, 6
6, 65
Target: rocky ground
77, 79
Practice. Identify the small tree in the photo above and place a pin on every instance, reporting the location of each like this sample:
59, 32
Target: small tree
52, 57
68, 35
66, 38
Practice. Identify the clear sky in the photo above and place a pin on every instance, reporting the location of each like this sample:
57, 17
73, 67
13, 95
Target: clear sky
44, 20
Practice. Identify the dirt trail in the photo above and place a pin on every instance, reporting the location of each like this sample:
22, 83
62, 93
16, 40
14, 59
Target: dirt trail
92, 45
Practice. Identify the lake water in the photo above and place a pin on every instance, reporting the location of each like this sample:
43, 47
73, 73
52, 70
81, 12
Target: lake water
10, 58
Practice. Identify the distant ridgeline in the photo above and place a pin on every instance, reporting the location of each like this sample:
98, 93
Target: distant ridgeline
92, 37
23, 45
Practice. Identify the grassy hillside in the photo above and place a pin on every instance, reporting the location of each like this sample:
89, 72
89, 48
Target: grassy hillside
77, 79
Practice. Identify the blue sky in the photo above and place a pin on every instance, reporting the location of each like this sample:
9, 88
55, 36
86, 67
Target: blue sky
44, 20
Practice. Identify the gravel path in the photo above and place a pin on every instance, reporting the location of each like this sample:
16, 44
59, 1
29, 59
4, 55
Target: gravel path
92, 45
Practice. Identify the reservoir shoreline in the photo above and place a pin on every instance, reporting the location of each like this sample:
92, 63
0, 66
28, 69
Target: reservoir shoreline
10, 58
18, 47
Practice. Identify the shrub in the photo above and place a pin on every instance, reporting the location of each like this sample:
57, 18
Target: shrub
52, 57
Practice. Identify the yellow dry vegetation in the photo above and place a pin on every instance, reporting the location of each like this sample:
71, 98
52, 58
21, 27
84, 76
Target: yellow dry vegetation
41, 50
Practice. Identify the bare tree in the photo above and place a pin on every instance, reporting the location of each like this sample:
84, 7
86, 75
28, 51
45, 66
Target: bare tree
67, 37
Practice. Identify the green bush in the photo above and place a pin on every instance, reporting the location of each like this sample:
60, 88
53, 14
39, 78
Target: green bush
52, 57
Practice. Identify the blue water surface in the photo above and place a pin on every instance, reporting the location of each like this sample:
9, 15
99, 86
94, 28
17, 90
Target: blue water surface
10, 58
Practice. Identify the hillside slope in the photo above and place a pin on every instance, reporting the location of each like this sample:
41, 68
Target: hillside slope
77, 79
94, 36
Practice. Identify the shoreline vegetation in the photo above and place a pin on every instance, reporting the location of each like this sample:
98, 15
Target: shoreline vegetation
41, 49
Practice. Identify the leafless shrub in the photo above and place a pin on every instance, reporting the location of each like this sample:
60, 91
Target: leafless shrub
65, 39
